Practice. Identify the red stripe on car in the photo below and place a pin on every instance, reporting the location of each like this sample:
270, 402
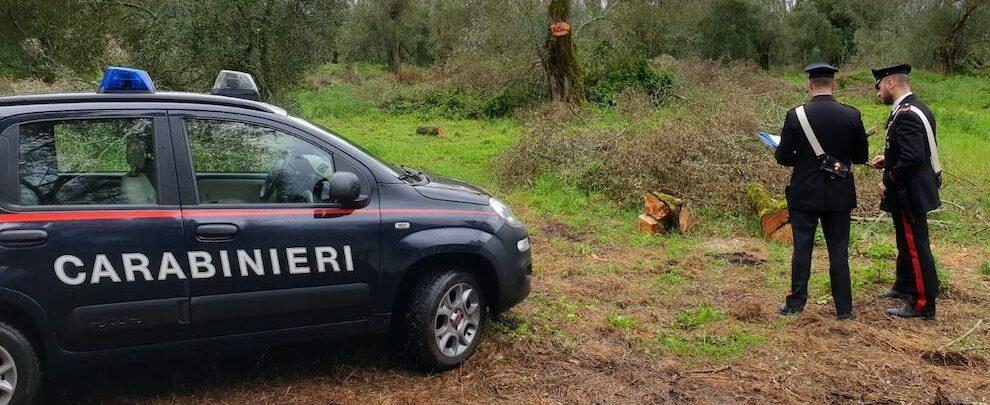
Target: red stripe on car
59, 216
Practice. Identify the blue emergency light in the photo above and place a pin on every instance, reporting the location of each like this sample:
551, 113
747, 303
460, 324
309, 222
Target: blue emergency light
126, 80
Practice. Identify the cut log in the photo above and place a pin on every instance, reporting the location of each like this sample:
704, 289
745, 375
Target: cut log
772, 211
668, 211
433, 130
655, 207
773, 221
784, 235
685, 221
649, 225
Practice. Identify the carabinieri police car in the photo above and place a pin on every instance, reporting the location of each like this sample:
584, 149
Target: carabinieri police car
141, 222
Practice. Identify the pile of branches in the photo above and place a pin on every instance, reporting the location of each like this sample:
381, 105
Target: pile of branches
700, 147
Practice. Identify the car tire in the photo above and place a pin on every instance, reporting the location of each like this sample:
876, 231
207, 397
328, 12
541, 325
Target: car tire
20, 370
443, 320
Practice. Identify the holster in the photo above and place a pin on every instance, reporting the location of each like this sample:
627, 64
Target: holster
835, 167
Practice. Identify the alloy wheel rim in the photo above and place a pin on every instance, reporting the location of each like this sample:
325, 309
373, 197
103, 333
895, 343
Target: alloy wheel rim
457, 319
8, 376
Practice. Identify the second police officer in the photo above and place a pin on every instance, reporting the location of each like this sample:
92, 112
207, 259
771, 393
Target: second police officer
911, 179
821, 140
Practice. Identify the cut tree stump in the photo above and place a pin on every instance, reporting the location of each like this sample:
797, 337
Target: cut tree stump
772, 210
667, 211
433, 130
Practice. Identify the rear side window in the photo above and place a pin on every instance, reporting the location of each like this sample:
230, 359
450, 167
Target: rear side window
84, 162
241, 163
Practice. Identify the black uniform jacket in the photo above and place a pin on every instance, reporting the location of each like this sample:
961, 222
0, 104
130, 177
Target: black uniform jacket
907, 160
840, 131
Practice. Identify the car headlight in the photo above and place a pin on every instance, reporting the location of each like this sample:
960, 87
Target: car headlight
505, 212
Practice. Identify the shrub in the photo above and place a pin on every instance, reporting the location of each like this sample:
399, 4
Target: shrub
610, 71
468, 86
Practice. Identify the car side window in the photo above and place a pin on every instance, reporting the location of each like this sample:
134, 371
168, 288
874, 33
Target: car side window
241, 163
87, 162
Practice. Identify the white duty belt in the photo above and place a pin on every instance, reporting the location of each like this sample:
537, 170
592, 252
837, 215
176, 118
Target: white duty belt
808, 132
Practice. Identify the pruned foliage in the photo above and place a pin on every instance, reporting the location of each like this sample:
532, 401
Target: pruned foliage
704, 151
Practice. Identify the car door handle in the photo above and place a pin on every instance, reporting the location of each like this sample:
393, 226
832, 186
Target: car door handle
23, 238
216, 232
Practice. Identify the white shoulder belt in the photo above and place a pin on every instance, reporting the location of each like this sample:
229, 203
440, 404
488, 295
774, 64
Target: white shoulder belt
808, 132
936, 165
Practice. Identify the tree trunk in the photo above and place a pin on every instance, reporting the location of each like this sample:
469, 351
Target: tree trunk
953, 48
394, 59
563, 71
395, 10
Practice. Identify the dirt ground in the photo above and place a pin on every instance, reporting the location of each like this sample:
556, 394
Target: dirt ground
606, 324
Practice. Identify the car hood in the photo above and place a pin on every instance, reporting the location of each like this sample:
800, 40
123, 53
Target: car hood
450, 189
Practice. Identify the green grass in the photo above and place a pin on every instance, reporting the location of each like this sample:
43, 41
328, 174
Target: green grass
695, 318
708, 346
985, 269
465, 151
621, 322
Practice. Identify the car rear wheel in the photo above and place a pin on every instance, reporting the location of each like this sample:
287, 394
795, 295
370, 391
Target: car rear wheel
443, 321
20, 371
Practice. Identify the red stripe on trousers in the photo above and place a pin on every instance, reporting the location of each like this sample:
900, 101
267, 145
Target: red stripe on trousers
916, 264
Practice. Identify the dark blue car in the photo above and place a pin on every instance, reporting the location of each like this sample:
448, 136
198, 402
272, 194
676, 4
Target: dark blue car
136, 222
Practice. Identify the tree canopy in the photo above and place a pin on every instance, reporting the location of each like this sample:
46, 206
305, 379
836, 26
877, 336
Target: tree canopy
183, 43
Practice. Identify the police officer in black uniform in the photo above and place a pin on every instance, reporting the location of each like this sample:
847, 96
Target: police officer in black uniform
911, 179
822, 186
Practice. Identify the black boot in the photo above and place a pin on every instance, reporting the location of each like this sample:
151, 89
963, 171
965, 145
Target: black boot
846, 316
789, 310
908, 312
894, 294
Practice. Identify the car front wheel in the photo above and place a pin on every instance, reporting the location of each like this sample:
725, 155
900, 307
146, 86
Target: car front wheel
20, 371
443, 321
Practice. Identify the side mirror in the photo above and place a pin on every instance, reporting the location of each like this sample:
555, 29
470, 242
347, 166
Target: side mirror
343, 188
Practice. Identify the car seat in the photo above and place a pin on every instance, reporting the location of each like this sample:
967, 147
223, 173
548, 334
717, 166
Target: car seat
136, 187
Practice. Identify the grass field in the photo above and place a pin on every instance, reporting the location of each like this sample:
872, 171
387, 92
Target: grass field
619, 316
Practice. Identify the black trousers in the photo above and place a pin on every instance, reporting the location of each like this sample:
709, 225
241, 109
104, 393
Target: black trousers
915, 265
835, 226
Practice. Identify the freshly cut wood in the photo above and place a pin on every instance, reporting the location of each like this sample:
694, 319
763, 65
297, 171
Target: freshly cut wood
773, 221
649, 225
655, 207
685, 221
430, 130
772, 211
667, 211
784, 235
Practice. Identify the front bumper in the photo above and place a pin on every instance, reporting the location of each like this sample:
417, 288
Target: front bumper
514, 268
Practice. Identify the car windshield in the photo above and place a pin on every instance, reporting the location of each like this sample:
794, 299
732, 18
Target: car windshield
395, 170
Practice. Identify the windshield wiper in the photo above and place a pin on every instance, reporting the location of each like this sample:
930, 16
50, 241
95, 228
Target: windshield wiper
408, 173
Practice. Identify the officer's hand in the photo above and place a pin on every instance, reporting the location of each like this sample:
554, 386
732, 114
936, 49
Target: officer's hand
877, 162
883, 190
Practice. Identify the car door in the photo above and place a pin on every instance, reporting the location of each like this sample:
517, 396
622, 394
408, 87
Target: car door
90, 211
266, 252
